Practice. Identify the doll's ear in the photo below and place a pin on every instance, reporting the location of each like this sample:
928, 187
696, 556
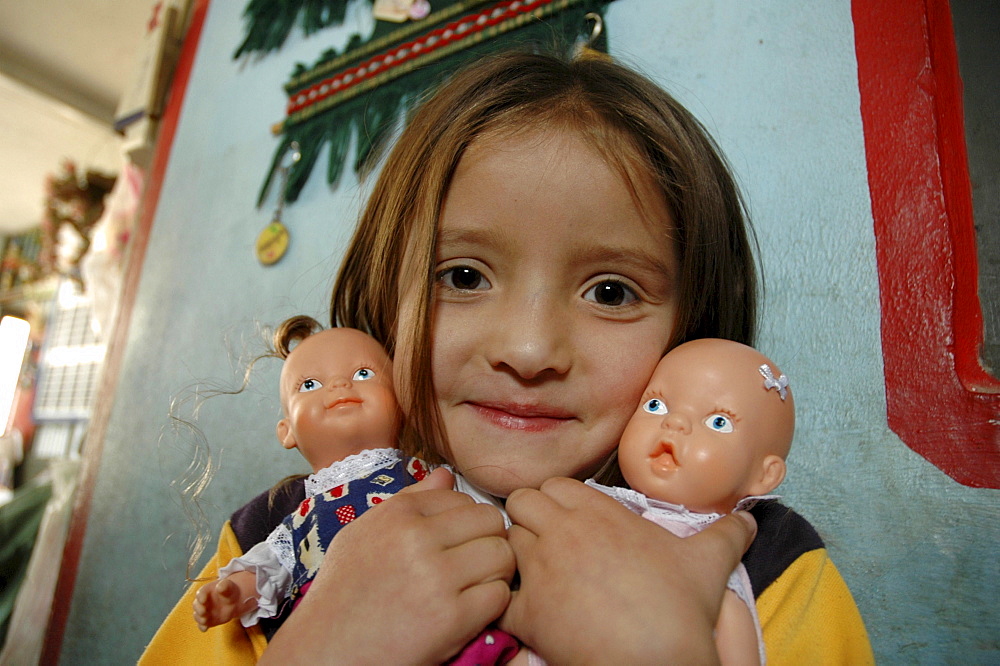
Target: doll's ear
285, 434
772, 474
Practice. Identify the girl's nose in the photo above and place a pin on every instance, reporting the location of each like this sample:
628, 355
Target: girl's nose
532, 339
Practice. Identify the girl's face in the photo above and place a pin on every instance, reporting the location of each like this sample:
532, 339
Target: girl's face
555, 298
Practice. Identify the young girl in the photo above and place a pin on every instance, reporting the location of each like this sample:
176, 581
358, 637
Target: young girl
540, 235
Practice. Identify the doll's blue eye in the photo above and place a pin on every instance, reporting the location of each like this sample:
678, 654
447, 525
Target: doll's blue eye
310, 385
655, 406
719, 423
363, 374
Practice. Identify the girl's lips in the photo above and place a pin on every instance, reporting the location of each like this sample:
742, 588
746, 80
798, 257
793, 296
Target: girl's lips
527, 418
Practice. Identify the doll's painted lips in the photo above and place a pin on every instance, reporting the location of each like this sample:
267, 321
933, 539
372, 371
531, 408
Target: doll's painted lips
528, 418
665, 459
344, 402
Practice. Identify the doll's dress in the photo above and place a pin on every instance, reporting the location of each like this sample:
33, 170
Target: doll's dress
288, 560
683, 522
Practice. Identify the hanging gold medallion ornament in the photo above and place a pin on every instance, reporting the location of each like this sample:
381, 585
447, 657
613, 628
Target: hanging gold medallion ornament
272, 242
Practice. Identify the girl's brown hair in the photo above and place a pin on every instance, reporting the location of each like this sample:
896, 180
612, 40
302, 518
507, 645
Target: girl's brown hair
639, 129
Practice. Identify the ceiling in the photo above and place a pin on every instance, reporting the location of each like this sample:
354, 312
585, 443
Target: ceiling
63, 67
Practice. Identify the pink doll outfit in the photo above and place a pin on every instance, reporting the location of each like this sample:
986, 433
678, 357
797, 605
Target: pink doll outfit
684, 522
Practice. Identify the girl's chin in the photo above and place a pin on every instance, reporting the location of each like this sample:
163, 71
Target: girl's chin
501, 481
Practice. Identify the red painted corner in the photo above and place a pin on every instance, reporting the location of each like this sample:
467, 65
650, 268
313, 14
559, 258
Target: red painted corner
939, 400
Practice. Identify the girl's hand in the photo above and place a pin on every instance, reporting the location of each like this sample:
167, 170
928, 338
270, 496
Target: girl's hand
600, 584
410, 581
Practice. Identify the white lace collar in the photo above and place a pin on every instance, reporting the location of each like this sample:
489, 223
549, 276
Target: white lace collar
350, 468
638, 503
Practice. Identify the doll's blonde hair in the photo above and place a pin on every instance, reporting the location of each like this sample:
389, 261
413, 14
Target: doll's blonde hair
637, 127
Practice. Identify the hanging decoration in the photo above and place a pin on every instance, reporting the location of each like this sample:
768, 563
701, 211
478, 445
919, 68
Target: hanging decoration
273, 240
364, 91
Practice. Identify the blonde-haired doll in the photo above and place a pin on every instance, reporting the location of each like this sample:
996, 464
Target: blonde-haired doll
341, 413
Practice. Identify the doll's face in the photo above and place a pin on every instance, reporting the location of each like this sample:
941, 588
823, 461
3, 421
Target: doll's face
337, 394
707, 431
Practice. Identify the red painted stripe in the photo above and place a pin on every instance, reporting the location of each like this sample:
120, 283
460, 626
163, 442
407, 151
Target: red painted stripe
98, 425
924, 238
417, 47
957, 186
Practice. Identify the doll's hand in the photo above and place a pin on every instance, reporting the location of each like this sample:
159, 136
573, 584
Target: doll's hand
219, 601
601, 584
410, 581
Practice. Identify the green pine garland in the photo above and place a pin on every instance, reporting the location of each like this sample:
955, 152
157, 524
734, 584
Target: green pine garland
270, 21
372, 112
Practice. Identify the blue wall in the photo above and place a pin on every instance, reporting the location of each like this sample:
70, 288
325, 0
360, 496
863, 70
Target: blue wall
776, 83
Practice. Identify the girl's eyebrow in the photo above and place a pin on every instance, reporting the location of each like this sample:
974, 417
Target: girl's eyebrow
491, 236
637, 258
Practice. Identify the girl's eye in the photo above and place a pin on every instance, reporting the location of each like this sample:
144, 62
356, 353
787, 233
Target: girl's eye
363, 374
719, 423
655, 406
611, 293
463, 278
310, 385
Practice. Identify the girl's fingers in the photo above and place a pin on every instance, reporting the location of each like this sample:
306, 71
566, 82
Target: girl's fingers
720, 546
439, 479
464, 523
483, 603
481, 561
532, 508
520, 539
538, 509
428, 502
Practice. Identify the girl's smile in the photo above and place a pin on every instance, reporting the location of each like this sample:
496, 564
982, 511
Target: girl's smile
555, 298
513, 416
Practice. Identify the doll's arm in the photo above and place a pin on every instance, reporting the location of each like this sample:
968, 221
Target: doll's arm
220, 601
735, 633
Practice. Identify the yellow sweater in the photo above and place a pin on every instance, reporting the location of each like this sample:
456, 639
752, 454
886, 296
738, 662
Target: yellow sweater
806, 612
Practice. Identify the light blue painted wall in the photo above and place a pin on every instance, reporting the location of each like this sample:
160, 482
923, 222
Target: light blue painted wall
776, 83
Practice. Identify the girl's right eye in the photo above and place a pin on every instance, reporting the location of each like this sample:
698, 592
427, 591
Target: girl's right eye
310, 385
463, 278
655, 406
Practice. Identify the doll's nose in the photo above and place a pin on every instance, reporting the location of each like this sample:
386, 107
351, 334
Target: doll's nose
340, 382
676, 421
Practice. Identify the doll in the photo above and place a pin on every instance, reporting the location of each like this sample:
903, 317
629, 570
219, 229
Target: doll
710, 436
341, 413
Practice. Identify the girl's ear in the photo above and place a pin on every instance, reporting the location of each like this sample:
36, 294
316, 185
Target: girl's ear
285, 435
772, 474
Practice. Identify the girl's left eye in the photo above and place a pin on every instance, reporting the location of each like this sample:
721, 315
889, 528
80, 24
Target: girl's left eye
463, 278
310, 385
363, 374
719, 423
655, 406
611, 293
